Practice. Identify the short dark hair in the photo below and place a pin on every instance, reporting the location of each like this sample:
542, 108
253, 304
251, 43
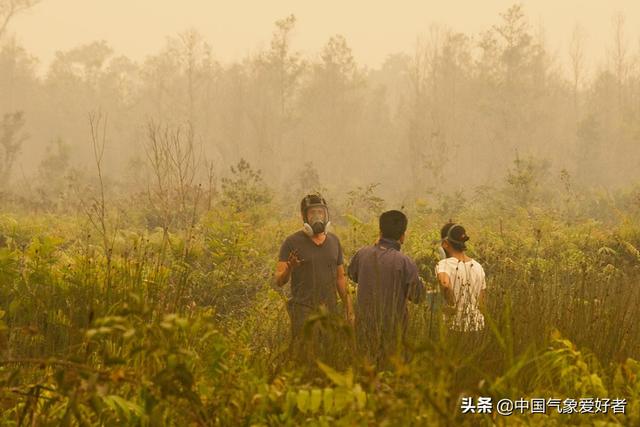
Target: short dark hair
393, 224
455, 234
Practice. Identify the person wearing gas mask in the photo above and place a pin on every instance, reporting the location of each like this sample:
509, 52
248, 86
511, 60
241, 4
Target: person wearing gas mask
312, 259
386, 280
462, 280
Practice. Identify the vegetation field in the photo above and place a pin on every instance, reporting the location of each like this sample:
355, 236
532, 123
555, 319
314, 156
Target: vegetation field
171, 319
143, 203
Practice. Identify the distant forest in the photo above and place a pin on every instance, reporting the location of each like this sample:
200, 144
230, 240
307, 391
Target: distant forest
452, 115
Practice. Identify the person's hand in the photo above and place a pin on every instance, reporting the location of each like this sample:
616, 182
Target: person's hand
293, 260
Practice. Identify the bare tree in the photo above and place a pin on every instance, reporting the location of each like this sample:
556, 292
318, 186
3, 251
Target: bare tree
96, 207
418, 77
274, 77
619, 54
175, 165
11, 139
577, 58
10, 8
288, 65
426, 135
174, 192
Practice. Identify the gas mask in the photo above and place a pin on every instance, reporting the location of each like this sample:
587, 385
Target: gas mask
317, 220
315, 215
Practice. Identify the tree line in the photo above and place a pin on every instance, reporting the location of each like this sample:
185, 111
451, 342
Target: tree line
451, 115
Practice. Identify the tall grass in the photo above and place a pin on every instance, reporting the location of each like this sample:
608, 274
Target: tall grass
177, 325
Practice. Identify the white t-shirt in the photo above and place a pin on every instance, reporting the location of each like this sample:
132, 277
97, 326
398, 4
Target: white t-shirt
467, 279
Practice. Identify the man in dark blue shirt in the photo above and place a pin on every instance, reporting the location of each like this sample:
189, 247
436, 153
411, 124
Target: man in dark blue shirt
386, 280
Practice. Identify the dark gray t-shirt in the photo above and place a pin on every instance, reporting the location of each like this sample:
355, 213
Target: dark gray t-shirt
386, 279
313, 282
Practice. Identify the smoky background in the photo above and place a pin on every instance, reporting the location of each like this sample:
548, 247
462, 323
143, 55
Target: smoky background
450, 113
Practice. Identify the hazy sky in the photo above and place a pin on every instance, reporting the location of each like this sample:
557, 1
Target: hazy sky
373, 28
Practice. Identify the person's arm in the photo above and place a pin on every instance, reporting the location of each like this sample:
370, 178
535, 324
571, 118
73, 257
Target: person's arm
283, 273
341, 285
287, 261
343, 291
353, 268
416, 291
447, 288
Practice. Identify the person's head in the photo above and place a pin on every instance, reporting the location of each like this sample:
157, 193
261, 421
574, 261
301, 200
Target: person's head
453, 237
315, 213
393, 225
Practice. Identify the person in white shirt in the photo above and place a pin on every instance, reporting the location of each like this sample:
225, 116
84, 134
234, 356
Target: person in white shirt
462, 281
